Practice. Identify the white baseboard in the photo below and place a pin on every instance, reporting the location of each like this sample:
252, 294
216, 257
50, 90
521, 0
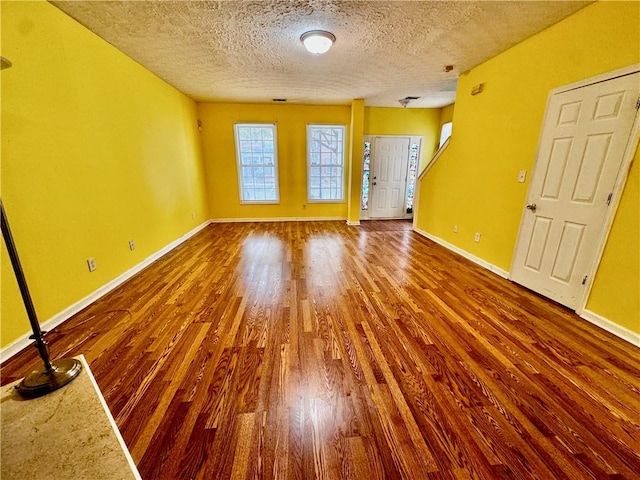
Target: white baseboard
24, 341
618, 330
353, 224
276, 219
477, 260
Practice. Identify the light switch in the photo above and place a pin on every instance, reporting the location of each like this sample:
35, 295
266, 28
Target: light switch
521, 176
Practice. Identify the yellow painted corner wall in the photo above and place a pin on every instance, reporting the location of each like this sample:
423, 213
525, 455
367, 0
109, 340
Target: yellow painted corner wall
446, 114
423, 122
473, 185
356, 153
219, 151
96, 150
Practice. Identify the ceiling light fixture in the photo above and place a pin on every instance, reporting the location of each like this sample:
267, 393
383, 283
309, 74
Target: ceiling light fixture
318, 41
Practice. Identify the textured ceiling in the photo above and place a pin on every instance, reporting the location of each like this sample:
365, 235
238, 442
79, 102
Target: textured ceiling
250, 51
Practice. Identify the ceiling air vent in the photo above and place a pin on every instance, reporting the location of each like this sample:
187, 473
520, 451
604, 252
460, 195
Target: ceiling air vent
279, 100
405, 101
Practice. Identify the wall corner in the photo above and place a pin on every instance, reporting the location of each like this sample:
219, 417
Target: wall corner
355, 161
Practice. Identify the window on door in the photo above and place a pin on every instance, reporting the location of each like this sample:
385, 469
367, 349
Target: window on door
257, 162
411, 176
325, 163
366, 170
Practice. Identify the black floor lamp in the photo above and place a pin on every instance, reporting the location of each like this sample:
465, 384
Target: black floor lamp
56, 373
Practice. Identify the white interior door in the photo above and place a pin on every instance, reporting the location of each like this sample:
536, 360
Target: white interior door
581, 150
389, 162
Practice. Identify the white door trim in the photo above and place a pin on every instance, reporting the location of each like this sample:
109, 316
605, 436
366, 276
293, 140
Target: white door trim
621, 72
623, 174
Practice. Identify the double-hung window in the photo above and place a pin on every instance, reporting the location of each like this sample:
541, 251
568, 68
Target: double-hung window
256, 153
325, 163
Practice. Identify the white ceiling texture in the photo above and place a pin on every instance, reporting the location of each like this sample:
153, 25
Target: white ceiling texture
250, 51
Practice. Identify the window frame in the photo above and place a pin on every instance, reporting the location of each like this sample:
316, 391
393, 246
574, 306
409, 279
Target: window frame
240, 164
342, 165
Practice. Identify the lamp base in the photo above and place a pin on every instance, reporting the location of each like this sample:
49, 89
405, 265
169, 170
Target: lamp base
40, 383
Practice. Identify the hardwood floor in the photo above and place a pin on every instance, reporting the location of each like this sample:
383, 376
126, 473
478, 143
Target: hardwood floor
385, 225
310, 350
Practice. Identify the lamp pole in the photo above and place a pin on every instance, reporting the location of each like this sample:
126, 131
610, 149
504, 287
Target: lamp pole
57, 373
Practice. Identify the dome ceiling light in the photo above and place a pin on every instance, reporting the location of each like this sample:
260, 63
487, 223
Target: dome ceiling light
318, 41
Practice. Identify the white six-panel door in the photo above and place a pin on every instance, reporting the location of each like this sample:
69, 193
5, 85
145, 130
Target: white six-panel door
581, 151
389, 177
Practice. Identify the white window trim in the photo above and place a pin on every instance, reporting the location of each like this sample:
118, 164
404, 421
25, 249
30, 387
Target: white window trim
344, 145
239, 163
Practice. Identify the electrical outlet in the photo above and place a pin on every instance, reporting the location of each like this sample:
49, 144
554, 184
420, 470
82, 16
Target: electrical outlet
522, 175
132, 245
193, 215
455, 229
477, 238
91, 263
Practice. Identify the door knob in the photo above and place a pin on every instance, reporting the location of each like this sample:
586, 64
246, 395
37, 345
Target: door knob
374, 183
532, 207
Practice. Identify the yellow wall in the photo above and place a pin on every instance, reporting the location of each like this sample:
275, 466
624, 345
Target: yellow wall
218, 147
446, 114
219, 151
474, 185
356, 154
423, 122
96, 150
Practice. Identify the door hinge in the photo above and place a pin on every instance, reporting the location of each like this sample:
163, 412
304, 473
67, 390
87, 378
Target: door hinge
584, 279
638, 104
609, 198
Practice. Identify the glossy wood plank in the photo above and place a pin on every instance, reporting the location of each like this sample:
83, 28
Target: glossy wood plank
307, 350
